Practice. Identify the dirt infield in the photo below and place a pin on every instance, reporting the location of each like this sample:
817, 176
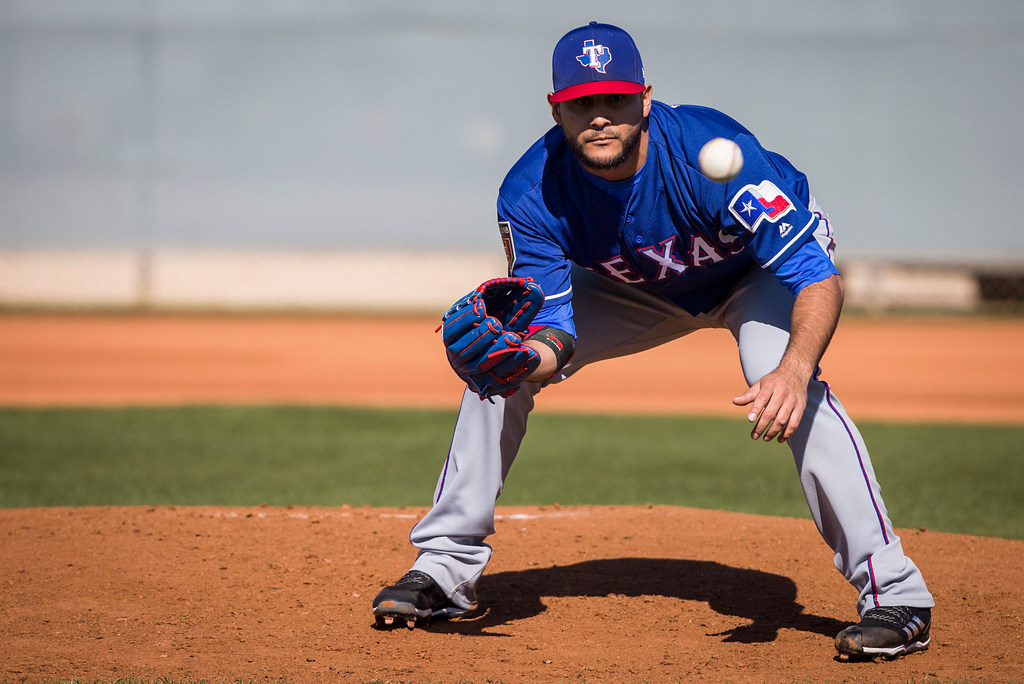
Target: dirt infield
936, 370
584, 593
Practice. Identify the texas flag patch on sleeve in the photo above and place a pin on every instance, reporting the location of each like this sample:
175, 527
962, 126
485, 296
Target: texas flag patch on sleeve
762, 202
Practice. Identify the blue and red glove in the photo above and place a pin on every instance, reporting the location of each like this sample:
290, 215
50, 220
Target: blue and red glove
484, 331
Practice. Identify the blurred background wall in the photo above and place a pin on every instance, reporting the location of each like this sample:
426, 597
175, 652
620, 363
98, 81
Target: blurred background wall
310, 154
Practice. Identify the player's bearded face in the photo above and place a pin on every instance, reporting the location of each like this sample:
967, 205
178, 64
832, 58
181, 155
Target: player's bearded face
604, 131
605, 157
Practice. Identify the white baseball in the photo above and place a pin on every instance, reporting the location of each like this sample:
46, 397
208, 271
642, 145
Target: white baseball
720, 160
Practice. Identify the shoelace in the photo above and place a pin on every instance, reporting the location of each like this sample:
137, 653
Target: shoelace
414, 579
896, 615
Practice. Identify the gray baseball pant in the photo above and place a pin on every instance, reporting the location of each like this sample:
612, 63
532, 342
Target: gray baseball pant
612, 320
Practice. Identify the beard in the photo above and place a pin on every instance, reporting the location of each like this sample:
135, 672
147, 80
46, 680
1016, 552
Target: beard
629, 145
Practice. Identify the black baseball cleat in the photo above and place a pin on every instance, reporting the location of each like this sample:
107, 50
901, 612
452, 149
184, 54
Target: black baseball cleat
886, 632
414, 597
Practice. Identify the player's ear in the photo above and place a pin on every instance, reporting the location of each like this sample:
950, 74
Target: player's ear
648, 91
556, 110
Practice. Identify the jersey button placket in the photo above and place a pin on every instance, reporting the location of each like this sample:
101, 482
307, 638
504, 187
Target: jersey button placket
629, 228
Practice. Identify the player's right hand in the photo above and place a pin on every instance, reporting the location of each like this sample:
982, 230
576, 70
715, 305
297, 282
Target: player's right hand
777, 403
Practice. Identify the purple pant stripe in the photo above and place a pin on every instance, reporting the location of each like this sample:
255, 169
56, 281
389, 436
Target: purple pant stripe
860, 461
874, 587
867, 483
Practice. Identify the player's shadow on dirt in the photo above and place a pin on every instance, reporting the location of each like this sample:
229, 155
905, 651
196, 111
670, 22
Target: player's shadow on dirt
767, 600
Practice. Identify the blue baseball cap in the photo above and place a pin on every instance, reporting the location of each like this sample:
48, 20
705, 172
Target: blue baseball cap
595, 59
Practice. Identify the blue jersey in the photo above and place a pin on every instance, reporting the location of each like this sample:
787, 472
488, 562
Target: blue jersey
668, 229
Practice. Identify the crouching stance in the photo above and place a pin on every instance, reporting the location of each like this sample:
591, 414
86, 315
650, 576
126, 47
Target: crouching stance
617, 243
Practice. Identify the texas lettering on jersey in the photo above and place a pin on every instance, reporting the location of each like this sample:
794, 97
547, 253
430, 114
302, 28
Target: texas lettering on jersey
665, 258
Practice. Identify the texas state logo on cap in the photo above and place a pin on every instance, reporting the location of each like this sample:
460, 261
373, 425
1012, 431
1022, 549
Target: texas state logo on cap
594, 59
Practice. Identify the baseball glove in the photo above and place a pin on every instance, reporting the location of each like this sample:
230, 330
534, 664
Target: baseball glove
484, 331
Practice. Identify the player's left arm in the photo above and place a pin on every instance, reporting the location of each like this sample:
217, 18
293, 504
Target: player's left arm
548, 365
777, 401
554, 347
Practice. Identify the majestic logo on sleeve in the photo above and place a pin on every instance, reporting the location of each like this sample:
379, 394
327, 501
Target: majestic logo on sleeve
594, 56
756, 203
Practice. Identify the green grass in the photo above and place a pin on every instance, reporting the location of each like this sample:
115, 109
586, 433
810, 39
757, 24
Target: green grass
951, 478
220, 456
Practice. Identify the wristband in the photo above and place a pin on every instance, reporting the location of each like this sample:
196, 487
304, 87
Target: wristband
559, 341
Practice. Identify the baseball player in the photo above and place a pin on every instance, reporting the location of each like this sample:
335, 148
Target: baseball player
617, 243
